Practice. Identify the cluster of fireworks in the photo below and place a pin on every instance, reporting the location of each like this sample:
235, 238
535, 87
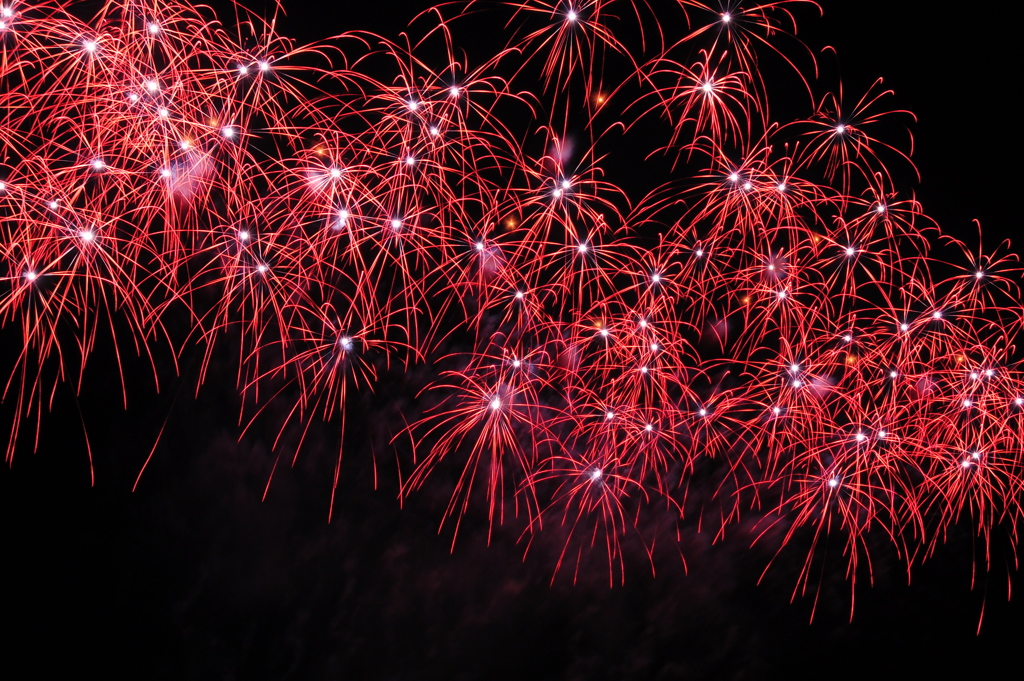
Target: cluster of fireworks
764, 326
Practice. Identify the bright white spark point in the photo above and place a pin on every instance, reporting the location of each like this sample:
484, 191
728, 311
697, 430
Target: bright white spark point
31, 275
904, 327
413, 105
566, 184
164, 172
162, 112
850, 251
734, 178
771, 268
893, 374
571, 16
262, 269
264, 66
989, 373
974, 375
605, 332
847, 338
184, 145
243, 70
53, 205
967, 404
133, 98
643, 323
90, 46
649, 427
152, 85
776, 410
782, 294
794, 367
609, 416
937, 314
243, 235
7, 12
98, 165
979, 274
558, 193
880, 208
699, 253
86, 235
479, 245
335, 173
966, 463
3, 186
782, 186
797, 383
410, 160
748, 186
654, 347
840, 129
582, 248
519, 296
496, 403
434, 131
882, 434
454, 91
516, 363
726, 18
707, 87
1019, 401
396, 224
345, 342
860, 437
975, 455
655, 278
833, 482
228, 132
643, 370
154, 28
702, 412
596, 474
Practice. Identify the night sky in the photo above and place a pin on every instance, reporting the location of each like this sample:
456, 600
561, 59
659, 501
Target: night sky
193, 576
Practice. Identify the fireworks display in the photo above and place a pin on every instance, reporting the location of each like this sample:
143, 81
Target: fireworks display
764, 327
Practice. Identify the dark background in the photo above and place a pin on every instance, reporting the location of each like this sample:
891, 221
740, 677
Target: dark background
193, 576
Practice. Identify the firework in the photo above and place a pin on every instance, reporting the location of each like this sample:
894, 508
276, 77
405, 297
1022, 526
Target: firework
770, 328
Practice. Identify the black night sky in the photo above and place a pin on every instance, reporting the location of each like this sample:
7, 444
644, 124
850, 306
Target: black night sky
192, 575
